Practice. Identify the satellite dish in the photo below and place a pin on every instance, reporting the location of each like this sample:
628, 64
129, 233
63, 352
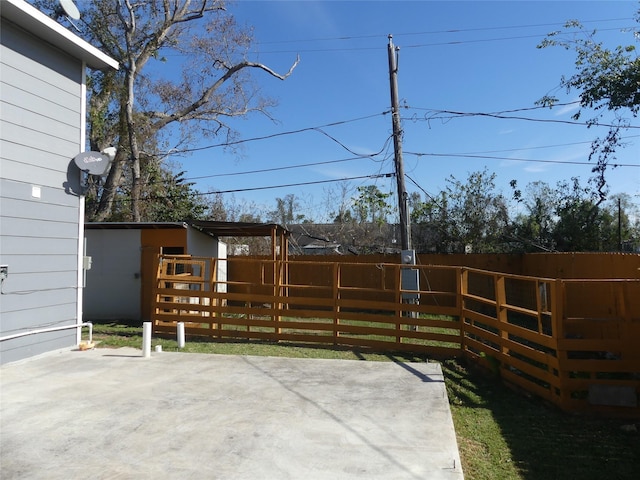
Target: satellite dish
69, 9
94, 163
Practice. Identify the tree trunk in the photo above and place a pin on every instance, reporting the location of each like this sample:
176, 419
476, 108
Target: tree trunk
105, 207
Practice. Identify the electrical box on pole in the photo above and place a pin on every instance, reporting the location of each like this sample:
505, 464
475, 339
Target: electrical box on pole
405, 231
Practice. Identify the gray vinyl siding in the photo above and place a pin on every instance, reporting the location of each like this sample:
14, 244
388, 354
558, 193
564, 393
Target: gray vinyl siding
40, 132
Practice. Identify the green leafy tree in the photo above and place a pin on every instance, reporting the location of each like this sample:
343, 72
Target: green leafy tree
371, 205
533, 229
626, 216
608, 80
584, 224
172, 199
467, 215
569, 217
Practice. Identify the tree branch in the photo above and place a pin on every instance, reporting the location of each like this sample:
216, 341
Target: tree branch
185, 112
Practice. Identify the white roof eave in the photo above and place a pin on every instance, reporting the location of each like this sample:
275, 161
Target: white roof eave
37, 23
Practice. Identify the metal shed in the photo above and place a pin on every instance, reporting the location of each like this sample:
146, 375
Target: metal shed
124, 259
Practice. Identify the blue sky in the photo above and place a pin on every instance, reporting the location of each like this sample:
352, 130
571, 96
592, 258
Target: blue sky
456, 56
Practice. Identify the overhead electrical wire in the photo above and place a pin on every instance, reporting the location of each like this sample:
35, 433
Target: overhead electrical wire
437, 32
419, 154
537, 148
423, 190
276, 169
269, 187
433, 44
275, 135
451, 114
455, 114
480, 154
489, 157
512, 110
315, 182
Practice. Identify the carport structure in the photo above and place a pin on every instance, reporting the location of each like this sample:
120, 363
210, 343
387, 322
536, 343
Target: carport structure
278, 234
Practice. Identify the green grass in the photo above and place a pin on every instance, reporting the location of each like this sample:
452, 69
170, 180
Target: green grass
501, 434
386, 332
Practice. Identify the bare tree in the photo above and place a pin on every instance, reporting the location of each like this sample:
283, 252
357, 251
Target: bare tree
200, 79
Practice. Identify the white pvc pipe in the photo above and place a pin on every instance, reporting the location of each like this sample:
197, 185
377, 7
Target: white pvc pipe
146, 339
51, 329
180, 332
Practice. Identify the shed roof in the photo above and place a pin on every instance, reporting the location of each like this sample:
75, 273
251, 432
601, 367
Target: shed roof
217, 229
37, 23
238, 229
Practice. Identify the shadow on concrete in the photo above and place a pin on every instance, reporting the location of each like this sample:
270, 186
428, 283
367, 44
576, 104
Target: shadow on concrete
254, 362
422, 376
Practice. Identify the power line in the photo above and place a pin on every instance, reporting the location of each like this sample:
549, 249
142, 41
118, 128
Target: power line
512, 110
498, 39
489, 157
433, 44
251, 189
423, 190
538, 147
387, 175
279, 134
479, 154
453, 154
288, 167
453, 114
456, 114
436, 32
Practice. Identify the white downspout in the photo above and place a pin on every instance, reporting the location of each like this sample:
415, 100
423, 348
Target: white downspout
81, 206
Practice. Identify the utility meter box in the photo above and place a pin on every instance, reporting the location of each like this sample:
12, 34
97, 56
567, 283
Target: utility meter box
410, 277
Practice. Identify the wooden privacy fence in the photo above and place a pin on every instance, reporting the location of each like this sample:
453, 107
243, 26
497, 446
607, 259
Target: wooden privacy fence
530, 331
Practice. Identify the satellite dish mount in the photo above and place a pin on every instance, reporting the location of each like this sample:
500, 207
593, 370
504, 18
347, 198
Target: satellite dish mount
67, 9
93, 163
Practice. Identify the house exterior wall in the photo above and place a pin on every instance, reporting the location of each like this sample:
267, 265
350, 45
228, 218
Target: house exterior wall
114, 281
41, 105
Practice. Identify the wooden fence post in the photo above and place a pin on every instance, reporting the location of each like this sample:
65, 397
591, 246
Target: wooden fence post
336, 301
277, 306
557, 321
213, 289
461, 290
501, 313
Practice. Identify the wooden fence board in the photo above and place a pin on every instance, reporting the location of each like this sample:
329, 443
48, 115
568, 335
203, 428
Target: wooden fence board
543, 345
528, 385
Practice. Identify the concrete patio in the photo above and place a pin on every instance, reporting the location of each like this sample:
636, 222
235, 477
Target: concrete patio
112, 414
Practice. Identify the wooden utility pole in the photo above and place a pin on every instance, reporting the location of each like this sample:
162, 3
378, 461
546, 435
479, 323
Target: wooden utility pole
405, 231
